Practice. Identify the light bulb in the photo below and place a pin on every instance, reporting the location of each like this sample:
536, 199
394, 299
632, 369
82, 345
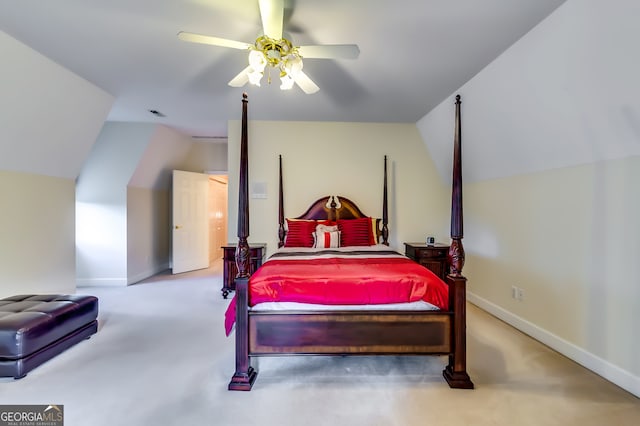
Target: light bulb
286, 82
255, 77
257, 60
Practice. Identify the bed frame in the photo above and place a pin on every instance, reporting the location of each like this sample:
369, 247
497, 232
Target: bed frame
348, 332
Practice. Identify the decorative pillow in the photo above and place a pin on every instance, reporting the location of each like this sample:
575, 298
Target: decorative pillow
356, 232
326, 239
299, 233
327, 222
321, 227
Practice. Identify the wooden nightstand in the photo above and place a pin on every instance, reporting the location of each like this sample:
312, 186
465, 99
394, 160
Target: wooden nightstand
433, 257
256, 252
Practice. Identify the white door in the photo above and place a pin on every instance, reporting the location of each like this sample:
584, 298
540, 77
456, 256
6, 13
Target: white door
190, 235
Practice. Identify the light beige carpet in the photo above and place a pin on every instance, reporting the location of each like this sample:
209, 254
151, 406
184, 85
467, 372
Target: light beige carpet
160, 357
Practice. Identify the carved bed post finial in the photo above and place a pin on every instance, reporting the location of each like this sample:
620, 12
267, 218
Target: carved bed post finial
456, 251
242, 250
281, 233
332, 208
385, 208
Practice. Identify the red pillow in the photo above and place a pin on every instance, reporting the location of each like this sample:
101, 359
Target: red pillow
356, 232
300, 233
327, 222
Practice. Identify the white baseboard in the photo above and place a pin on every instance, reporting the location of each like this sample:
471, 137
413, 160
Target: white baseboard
101, 282
121, 282
148, 273
625, 379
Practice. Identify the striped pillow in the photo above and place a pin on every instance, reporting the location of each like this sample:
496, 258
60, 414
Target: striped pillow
356, 232
326, 239
300, 233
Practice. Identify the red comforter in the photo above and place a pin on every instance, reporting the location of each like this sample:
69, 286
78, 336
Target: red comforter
343, 278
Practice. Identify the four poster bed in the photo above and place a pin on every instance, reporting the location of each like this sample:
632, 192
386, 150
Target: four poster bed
338, 289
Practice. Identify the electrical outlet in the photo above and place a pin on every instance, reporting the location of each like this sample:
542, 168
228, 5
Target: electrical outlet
517, 293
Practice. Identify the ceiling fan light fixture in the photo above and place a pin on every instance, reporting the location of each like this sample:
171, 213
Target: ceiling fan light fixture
279, 54
276, 52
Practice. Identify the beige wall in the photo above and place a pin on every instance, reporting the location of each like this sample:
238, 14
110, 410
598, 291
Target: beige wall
37, 249
207, 155
570, 238
148, 222
346, 159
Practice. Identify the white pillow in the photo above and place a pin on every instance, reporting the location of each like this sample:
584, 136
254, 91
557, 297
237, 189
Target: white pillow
326, 239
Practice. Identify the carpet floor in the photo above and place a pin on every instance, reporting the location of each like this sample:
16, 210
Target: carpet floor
160, 357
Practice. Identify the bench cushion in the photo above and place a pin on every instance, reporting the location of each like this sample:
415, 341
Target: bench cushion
29, 323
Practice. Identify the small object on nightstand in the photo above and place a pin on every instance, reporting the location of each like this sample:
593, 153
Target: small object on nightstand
431, 256
256, 253
431, 241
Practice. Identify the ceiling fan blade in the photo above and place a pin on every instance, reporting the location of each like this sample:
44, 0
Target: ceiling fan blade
305, 83
215, 41
330, 51
241, 79
272, 14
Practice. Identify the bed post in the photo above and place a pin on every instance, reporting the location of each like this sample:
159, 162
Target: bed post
385, 208
281, 232
456, 251
245, 375
456, 371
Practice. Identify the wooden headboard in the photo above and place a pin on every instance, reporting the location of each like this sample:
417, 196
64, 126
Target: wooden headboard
334, 207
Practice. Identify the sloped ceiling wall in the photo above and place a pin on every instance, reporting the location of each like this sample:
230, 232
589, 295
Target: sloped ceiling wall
166, 151
113, 160
49, 117
565, 94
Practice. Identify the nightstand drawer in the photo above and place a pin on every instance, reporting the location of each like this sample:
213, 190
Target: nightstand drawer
431, 253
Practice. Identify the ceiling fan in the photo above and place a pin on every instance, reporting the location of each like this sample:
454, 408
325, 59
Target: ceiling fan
273, 51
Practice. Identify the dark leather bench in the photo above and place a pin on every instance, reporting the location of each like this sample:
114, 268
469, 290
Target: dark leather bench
35, 328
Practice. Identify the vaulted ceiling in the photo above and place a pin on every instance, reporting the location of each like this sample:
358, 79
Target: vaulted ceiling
413, 54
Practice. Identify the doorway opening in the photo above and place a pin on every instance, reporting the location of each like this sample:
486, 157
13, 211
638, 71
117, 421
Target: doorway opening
218, 195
